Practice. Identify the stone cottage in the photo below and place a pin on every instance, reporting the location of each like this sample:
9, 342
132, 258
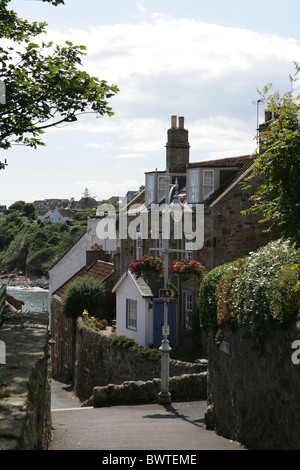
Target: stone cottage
215, 187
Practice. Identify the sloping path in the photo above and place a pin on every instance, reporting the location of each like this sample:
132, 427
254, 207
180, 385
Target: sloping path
153, 427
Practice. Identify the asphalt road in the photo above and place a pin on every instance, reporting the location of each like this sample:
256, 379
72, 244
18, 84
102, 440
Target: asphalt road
151, 427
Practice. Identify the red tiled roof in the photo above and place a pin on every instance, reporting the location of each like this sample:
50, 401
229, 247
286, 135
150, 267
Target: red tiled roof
99, 270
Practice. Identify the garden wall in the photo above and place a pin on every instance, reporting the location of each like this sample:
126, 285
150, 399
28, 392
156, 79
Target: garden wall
25, 396
253, 393
100, 363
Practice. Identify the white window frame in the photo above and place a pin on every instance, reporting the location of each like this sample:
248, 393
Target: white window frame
161, 187
188, 310
208, 183
194, 186
150, 188
138, 247
131, 314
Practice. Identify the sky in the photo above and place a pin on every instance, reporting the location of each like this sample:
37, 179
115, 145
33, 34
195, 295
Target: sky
201, 60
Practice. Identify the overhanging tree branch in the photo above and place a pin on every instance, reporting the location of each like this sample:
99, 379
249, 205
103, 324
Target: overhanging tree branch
46, 81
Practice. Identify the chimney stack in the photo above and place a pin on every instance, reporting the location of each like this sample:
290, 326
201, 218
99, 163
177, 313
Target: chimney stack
178, 148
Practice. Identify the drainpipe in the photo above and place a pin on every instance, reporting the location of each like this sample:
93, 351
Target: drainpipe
212, 244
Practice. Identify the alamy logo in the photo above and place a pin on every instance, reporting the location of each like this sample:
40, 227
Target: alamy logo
296, 354
2, 353
153, 222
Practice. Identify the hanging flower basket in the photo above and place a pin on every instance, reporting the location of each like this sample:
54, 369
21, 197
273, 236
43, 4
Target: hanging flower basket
185, 268
148, 266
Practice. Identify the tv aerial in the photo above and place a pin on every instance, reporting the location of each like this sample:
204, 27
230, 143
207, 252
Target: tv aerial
258, 103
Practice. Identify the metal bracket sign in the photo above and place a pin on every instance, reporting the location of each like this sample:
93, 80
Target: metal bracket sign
166, 293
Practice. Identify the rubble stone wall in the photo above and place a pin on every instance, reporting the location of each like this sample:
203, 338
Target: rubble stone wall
253, 392
100, 363
25, 396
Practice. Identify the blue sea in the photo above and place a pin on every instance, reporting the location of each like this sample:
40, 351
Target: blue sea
35, 298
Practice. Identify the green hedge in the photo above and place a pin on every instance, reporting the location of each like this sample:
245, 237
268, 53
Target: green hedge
207, 302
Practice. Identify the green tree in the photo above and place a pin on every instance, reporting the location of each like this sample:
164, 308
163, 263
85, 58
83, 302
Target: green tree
29, 209
88, 200
277, 198
45, 84
83, 293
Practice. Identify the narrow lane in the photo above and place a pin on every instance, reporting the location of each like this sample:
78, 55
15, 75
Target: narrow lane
153, 427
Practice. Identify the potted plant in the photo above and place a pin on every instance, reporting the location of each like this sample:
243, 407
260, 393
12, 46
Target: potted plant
148, 266
185, 268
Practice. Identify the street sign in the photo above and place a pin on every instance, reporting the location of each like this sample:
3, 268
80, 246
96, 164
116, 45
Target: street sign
166, 293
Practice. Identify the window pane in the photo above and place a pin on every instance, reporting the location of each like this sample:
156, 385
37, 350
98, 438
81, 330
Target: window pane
131, 314
161, 186
149, 189
208, 182
194, 185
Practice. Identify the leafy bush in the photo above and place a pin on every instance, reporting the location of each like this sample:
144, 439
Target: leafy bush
258, 290
207, 302
83, 293
255, 288
42, 259
225, 293
285, 301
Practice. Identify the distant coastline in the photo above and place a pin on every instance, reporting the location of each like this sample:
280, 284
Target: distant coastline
17, 279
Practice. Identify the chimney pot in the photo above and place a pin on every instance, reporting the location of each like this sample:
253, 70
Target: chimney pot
181, 122
173, 121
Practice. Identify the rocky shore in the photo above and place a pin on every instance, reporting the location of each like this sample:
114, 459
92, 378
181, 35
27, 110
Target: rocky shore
20, 280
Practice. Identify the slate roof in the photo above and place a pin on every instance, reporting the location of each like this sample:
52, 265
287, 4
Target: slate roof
245, 164
149, 286
222, 162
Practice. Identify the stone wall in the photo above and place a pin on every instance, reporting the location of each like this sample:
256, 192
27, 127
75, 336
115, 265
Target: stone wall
253, 393
25, 397
228, 233
99, 363
182, 388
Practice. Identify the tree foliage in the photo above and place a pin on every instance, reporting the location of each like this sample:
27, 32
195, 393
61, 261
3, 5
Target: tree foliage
277, 199
45, 83
82, 294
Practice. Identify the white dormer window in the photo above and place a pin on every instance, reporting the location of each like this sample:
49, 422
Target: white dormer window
150, 183
138, 247
208, 183
161, 189
194, 186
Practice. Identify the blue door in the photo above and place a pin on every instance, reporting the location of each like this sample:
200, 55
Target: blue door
158, 321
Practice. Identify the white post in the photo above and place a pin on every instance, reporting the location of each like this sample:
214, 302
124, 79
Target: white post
164, 395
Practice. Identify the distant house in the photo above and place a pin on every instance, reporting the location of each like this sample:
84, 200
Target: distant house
44, 215
49, 204
215, 185
2, 209
61, 216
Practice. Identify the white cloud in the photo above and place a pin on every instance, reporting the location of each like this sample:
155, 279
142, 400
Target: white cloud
205, 72
108, 188
141, 8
